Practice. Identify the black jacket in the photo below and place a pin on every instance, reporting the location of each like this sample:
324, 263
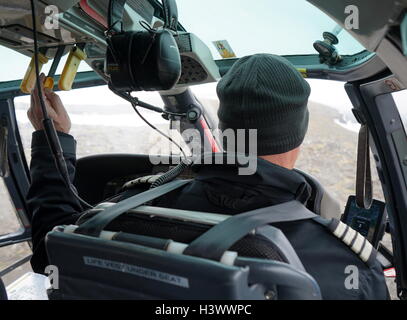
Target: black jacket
216, 189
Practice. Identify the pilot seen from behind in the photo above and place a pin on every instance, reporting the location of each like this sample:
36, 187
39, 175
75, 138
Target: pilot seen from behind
263, 92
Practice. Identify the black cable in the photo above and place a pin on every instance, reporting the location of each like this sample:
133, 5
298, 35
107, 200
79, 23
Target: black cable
174, 172
137, 103
170, 175
48, 124
159, 131
129, 98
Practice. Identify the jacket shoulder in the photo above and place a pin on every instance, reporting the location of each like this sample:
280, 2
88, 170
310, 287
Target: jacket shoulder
352, 239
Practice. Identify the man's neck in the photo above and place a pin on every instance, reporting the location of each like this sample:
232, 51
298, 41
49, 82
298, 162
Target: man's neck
286, 160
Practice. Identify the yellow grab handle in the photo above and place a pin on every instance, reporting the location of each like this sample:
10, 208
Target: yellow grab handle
303, 72
71, 68
28, 82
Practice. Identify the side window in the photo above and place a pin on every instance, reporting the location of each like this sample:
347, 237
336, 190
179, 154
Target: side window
9, 223
330, 148
105, 123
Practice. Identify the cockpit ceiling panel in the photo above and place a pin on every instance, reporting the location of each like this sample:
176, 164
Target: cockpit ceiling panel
375, 17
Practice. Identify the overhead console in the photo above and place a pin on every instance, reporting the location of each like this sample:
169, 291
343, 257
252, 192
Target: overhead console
85, 21
198, 65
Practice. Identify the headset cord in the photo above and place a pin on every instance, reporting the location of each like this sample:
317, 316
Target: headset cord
185, 162
159, 131
48, 124
176, 171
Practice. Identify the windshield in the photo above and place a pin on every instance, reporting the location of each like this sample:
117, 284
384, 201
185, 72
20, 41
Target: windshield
261, 26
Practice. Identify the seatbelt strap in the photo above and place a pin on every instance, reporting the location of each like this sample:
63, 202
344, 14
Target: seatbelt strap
95, 225
216, 241
213, 243
364, 188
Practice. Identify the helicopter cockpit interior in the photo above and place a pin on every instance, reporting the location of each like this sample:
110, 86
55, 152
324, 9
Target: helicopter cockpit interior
132, 250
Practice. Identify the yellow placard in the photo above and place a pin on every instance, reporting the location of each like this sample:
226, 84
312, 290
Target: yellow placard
224, 49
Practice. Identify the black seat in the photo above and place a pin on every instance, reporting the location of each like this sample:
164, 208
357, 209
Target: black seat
253, 245
142, 253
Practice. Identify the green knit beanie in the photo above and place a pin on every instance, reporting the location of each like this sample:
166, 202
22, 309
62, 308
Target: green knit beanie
265, 92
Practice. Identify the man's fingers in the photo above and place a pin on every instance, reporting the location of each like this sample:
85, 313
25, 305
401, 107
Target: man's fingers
35, 91
32, 100
51, 112
42, 79
55, 100
35, 113
35, 101
54, 108
37, 110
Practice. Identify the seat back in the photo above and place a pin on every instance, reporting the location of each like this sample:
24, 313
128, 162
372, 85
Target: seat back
134, 258
185, 226
125, 266
95, 268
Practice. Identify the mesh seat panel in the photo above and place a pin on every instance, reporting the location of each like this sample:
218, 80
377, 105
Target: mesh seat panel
254, 246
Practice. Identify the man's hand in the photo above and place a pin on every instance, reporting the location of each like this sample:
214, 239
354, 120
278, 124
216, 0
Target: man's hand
55, 108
